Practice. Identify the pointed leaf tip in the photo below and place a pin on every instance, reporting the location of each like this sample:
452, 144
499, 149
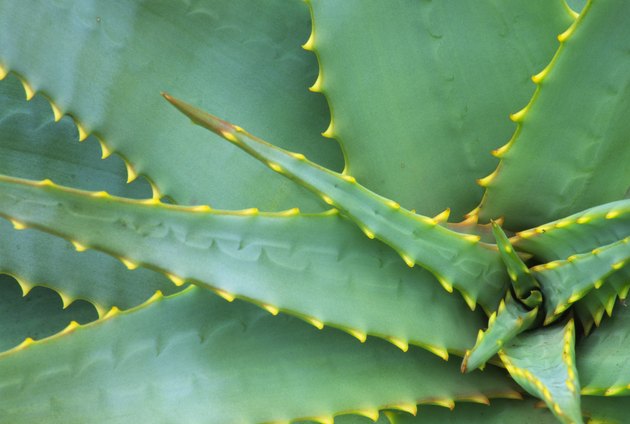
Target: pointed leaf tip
204, 119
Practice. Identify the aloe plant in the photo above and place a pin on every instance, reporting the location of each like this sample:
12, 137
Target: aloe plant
351, 251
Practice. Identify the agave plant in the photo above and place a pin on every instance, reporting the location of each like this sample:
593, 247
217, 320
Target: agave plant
213, 277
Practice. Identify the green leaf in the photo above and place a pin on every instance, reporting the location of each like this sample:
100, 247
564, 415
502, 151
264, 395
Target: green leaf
105, 63
578, 233
599, 410
498, 412
543, 363
603, 356
225, 362
570, 150
524, 284
457, 260
507, 322
565, 282
420, 91
33, 146
318, 267
37, 315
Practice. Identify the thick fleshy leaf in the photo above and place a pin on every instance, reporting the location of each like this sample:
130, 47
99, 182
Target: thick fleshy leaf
570, 150
37, 315
526, 288
510, 319
599, 410
565, 282
578, 233
604, 298
543, 363
603, 356
457, 260
106, 63
498, 412
227, 363
33, 146
420, 91
318, 267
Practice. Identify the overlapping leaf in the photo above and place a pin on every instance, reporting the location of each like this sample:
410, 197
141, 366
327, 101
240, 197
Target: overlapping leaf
570, 150
194, 355
457, 260
32, 145
420, 91
106, 62
39, 314
318, 267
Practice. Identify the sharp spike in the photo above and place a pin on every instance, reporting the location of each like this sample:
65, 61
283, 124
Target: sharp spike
314, 322
330, 132
83, 133
113, 311
446, 284
400, 344
472, 303
439, 351
28, 89
73, 325
25, 286
360, 335
298, 156
443, 216
178, 281
131, 173
155, 192
485, 181
3, 73
310, 43
25, 343
539, 77
518, 116
100, 194
66, 300
271, 309
500, 152
410, 408
368, 233
155, 297
225, 295
18, 225
566, 34
480, 398
408, 259
372, 414
317, 86
129, 264
447, 403
105, 152
57, 113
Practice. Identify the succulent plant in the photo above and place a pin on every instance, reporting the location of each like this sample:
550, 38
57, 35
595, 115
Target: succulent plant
381, 271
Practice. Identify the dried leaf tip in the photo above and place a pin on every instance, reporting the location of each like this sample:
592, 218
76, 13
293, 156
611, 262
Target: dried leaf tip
204, 119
